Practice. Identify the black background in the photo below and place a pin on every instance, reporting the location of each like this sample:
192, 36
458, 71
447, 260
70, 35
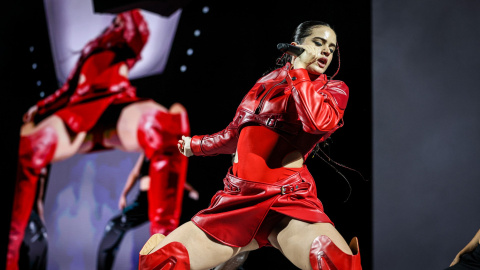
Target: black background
236, 46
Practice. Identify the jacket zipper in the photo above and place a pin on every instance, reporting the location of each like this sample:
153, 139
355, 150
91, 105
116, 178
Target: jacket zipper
260, 105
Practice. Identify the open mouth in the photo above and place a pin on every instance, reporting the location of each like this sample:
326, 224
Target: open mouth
322, 62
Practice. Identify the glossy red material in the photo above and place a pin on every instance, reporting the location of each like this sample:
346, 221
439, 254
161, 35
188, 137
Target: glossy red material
261, 153
99, 65
325, 255
302, 111
236, 213
35, 152
173, 256
158, 134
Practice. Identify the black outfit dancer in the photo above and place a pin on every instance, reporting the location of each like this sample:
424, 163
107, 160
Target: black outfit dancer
469, 257
468, 261
132, 216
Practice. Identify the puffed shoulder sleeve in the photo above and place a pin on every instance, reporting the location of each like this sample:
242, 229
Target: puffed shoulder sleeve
222, 142
320, 110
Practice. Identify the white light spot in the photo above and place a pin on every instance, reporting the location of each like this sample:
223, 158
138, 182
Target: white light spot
196, 33
189, 51
183, 68
42, 94
39, 83
205, 9
34, 65
32, 48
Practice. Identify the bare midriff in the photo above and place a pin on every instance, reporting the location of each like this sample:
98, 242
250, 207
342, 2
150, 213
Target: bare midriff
264, 156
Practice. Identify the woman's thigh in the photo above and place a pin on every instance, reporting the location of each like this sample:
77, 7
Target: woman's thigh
66, 146
294, 239
125, 135
204, 252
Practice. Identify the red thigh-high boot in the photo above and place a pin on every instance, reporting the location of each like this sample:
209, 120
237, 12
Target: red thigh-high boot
35, 152
173, 256
325, 255
158, 134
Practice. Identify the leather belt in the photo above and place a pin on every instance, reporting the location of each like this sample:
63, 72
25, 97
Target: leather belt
293, 187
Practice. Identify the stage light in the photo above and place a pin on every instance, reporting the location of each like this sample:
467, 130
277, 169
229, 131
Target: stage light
189, 51
196, 33
39, 83
205, 9
42, 94
34, 66
31, 48
183, 68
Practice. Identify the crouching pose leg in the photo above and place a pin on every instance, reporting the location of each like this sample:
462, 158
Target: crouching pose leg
187, 247
316, 246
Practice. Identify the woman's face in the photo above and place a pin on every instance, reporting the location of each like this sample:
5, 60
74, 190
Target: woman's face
325, 39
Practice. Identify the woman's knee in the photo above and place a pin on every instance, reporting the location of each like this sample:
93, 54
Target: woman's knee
295, 238
177, 108
203, 251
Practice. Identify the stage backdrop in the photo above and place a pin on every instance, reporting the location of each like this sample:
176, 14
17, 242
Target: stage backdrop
426, 64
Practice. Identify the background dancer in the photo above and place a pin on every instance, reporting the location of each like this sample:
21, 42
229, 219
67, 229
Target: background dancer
133, 215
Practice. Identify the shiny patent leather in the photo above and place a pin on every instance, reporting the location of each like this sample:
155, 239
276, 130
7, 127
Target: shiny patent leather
35, 152
172, 256
302, 111
158, 134
325, 255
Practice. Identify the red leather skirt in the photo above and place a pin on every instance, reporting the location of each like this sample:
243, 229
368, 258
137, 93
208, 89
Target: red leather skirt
245, 210
83, 116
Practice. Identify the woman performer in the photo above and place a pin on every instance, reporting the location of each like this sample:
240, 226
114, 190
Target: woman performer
269, 198
97, 109
134, 214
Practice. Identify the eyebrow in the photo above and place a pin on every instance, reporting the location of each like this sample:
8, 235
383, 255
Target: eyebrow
324, 40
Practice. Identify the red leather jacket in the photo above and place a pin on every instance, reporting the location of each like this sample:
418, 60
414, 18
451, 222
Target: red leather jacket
302, 111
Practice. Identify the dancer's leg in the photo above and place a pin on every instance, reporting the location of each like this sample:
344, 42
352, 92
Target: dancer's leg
125, 137
294, 239
38, 146
200, 250
133, 215
168, 167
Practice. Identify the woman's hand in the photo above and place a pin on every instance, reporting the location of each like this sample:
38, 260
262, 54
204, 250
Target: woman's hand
184, 146
122, 202
30, 114
469, 248
308, 57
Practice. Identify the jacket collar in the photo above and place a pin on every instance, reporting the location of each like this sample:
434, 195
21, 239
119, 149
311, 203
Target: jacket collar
321, 77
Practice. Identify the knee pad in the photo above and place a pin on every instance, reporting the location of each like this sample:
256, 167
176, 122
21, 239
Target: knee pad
172, 256
325, 255
158, 131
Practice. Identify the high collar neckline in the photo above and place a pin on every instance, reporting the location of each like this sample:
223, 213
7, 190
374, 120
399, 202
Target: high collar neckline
321, 77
